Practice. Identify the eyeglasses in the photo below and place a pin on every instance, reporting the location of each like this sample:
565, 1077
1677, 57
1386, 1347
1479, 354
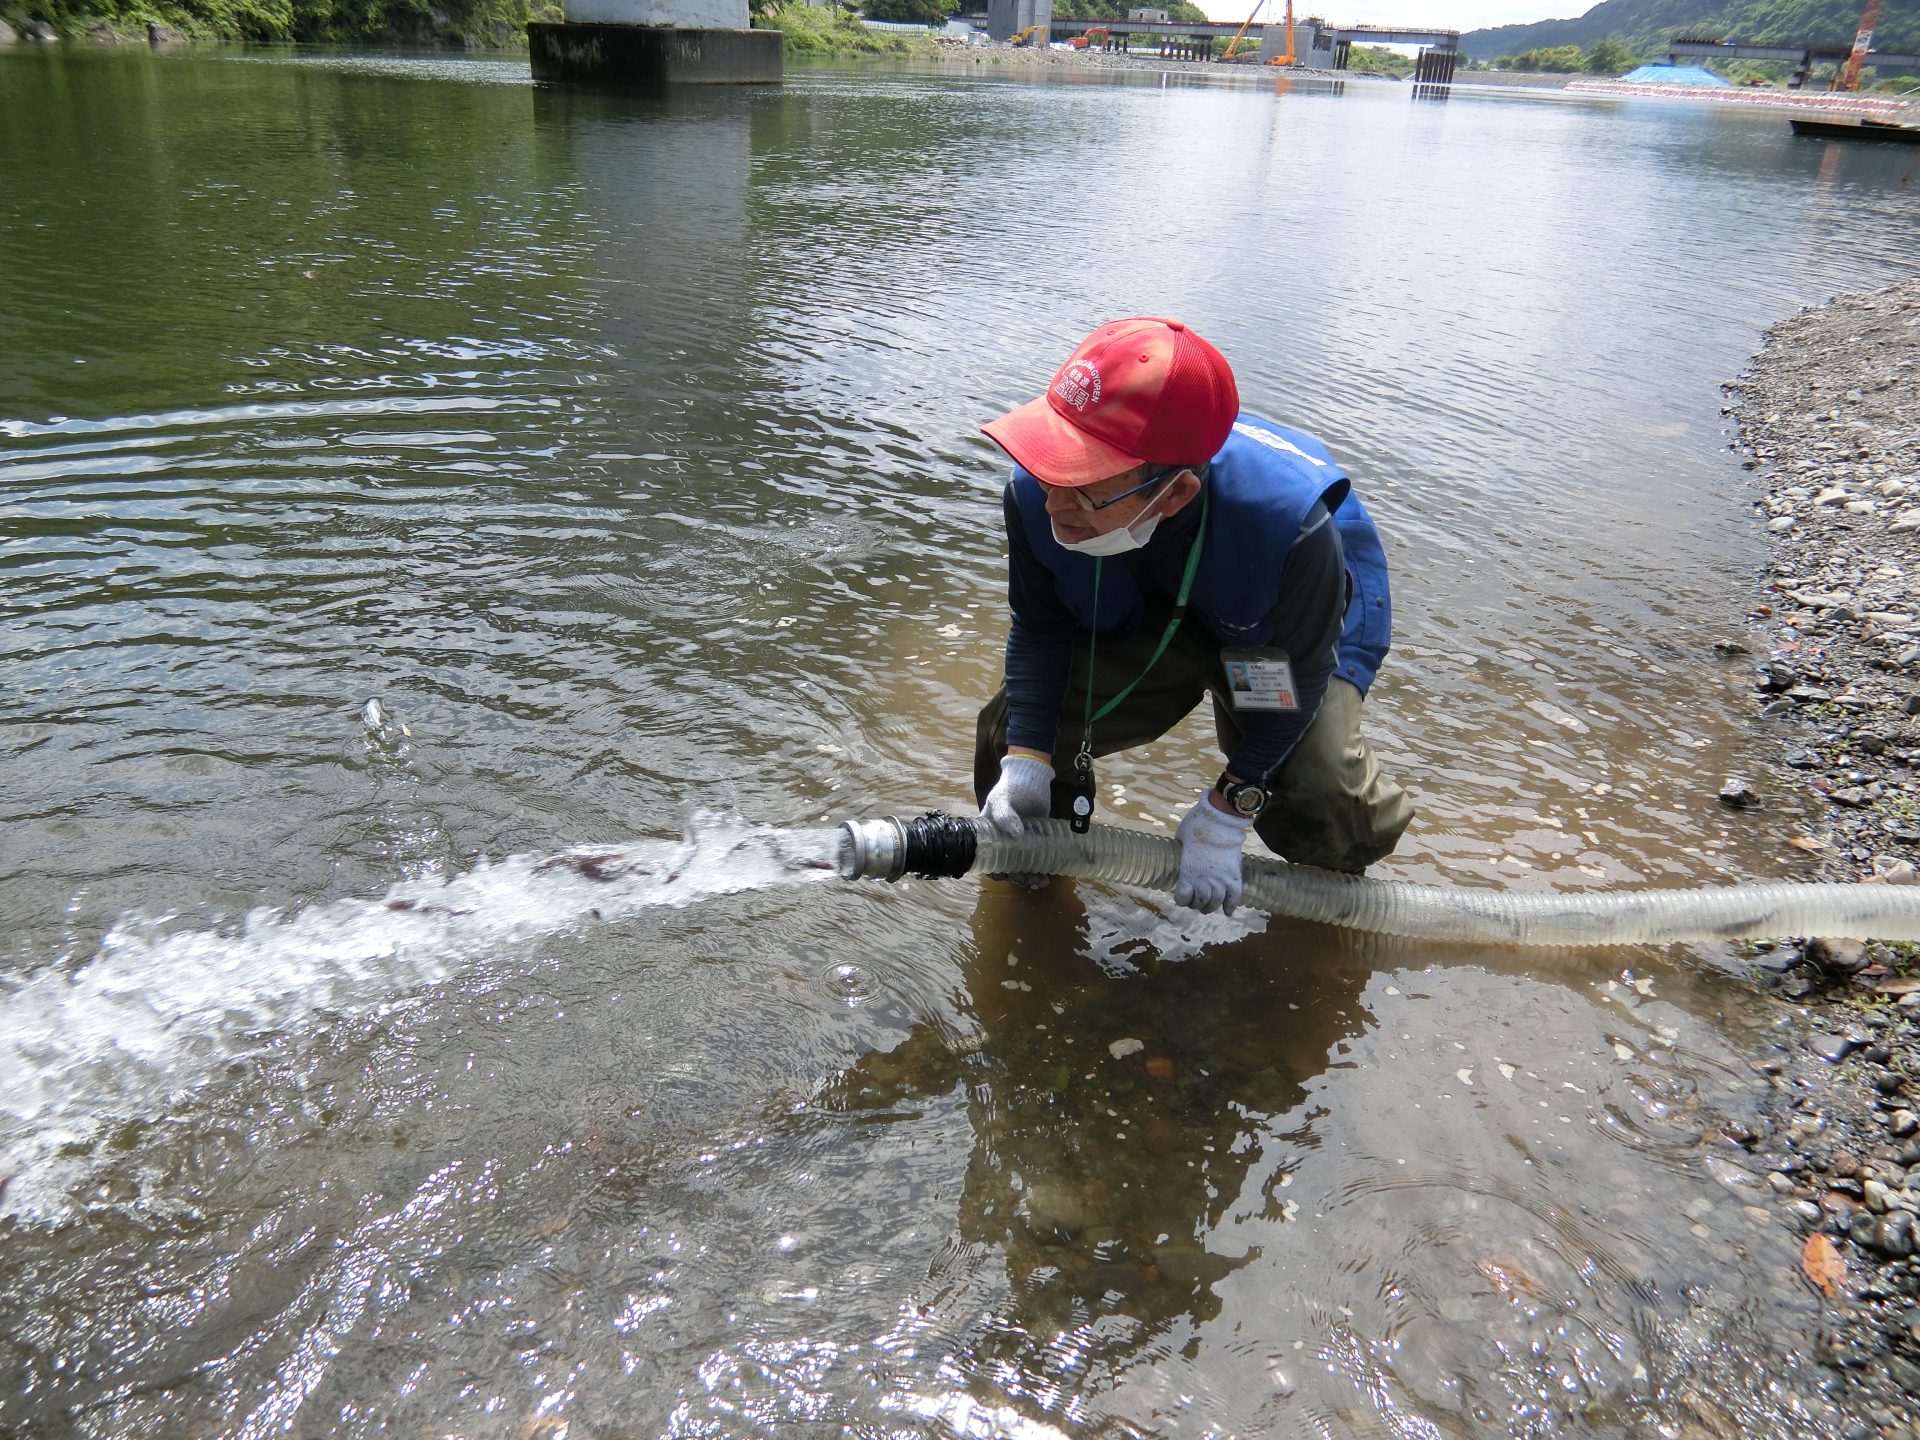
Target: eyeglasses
1079, 493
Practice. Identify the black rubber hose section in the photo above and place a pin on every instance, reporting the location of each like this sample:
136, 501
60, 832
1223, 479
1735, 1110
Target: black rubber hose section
941, 847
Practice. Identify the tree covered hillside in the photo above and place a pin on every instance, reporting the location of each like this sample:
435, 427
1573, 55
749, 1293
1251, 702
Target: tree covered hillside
1645, 25
458, 23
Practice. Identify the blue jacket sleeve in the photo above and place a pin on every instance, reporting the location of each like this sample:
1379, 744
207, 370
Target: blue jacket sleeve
1307, 619
1039, 642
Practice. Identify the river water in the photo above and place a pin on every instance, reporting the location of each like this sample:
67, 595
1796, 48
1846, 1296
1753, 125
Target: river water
626, 451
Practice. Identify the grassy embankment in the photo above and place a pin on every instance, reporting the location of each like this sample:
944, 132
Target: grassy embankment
457, 24
828, 30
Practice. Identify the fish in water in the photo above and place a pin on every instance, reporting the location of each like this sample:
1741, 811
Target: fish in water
605, 866
379, 723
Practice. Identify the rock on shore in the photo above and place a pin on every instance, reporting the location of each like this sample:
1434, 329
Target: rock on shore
1830, 415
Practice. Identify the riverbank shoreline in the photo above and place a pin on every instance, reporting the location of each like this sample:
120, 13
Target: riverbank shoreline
1828, 413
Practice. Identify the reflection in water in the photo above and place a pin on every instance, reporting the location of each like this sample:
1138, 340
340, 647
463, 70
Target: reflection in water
1189, 1207
1113, 1124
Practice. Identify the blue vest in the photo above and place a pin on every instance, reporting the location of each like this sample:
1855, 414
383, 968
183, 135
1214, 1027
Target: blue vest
1262, 484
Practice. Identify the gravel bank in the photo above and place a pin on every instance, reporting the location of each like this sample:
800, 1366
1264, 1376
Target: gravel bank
1830, 415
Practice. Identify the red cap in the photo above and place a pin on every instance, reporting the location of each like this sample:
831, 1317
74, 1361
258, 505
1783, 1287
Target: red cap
1140, 391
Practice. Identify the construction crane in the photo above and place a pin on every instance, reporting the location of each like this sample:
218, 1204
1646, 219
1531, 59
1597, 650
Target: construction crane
1245, 25
1862, 42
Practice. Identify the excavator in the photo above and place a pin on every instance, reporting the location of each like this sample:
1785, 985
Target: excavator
1027, 36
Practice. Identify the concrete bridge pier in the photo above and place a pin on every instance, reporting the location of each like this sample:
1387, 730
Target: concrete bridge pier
1435, 67
650, 45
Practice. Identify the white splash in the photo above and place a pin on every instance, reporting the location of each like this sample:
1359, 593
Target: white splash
146, 1020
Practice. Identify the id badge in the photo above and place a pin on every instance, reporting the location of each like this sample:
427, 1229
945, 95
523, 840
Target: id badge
1260, 680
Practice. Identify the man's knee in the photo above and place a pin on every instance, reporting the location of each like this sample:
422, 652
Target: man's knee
1333, 806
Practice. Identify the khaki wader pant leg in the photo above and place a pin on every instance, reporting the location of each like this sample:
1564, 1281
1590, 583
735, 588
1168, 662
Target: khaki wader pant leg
1332, 805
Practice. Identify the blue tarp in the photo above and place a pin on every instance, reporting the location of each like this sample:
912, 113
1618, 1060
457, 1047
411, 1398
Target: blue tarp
1674, 75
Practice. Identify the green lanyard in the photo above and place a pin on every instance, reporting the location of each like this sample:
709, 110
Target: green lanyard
1083, 761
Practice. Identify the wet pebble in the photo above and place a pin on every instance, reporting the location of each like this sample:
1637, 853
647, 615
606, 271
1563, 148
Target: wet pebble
1837, 957
1738, 793
1055, 1212
1832, 1048
1893, 1234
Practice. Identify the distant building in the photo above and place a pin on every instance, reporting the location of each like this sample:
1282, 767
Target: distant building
1157, 17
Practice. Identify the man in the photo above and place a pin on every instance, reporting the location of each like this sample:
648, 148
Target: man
1164, 546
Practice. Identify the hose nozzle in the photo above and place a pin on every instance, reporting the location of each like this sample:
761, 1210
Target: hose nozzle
872, 850
936, 846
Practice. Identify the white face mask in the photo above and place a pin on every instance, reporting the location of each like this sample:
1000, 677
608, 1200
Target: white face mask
1113, 542
1118, 542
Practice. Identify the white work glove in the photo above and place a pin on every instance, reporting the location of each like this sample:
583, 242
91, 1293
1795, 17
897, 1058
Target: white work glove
1210, 840
1023, 792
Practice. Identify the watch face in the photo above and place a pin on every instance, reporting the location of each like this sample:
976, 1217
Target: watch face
1247, 799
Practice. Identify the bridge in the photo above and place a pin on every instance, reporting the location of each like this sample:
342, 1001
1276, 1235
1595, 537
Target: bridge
1315, 43
1328, 47
1802, 57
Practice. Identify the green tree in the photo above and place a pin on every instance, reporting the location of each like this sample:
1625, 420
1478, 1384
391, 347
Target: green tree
1558, 59
1117, 10
1378, 57
1610, 57
918, 12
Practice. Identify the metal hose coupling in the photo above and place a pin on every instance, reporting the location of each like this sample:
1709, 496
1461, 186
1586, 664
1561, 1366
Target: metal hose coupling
939, 847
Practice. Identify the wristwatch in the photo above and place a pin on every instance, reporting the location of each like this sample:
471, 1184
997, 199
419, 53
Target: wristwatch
1242, 796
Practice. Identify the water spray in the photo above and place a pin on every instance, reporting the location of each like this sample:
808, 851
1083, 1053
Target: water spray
946, 846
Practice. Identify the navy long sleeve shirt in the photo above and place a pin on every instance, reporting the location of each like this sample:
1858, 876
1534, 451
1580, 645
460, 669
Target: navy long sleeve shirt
1306, 622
